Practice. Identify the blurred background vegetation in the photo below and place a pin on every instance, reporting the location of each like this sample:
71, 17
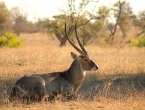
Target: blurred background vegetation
98, 27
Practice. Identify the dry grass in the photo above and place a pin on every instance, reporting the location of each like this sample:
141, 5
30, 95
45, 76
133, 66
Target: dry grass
119, 83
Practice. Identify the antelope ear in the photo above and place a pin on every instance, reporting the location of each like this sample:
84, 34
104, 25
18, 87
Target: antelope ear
73, 55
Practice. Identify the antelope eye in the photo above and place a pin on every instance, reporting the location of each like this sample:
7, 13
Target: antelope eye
86, 59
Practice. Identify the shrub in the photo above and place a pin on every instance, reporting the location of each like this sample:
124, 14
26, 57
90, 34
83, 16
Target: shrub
140, 42
134, 42
10, 40
106, 37
3, 41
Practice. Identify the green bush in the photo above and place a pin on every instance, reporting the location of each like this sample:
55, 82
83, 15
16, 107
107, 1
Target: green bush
106, 37
10, 40
140, 42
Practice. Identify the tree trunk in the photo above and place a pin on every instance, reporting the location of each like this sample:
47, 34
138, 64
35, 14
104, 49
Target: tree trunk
62, 40
117, 20
123, 31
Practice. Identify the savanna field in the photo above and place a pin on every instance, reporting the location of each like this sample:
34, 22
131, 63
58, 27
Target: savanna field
119, 84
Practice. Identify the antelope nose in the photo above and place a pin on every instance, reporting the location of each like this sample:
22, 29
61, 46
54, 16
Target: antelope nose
97, 67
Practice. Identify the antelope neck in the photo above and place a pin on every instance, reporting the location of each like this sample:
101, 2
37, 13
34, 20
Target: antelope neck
75, 73
68, 77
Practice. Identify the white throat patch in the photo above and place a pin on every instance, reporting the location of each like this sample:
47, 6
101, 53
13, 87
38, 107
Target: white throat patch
84, 73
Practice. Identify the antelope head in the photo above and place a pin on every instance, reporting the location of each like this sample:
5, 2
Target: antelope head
85, 62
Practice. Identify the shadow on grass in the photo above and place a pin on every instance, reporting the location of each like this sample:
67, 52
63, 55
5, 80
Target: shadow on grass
113, 86
5, 87
95, 86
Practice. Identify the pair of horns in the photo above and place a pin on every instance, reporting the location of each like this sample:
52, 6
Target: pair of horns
83, 51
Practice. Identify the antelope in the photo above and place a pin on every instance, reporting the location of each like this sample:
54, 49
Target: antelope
65, 83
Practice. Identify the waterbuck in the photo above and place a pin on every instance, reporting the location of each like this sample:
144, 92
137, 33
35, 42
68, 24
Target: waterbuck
66, 83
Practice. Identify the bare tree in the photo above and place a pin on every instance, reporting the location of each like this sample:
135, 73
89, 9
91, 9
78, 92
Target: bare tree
113, 31
123, 13
4, 17
72, 14
141, 22
20, 20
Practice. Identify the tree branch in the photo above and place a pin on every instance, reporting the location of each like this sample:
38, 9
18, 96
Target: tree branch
141, 32
58, 36
117, 20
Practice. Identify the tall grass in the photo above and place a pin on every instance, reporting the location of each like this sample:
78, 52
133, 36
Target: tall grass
118, 84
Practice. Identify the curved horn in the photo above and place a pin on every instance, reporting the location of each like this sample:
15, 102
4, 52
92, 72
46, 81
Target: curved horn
80, 51
82, 47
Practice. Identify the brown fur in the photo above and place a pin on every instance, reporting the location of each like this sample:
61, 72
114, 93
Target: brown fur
67, 83
28, 87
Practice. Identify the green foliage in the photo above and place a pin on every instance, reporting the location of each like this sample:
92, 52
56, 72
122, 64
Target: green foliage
103, 11
57, 25
10, 40
106, 37
124, 20
140, 42
98, 25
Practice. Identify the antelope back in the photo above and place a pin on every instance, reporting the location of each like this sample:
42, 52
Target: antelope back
29, 86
